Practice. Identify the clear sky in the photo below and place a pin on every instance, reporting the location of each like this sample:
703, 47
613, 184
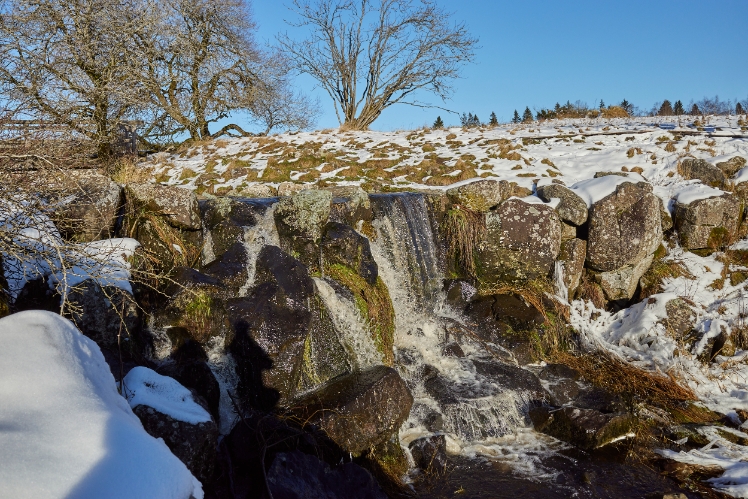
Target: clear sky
539, 52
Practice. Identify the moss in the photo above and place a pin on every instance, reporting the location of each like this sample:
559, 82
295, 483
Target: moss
374, 305
719, 237
198, 315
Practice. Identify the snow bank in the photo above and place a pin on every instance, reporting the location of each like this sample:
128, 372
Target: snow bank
145, 386
741, 176
65, 432
696, 192
594, 189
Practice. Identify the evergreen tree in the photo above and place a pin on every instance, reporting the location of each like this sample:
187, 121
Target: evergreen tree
438, 123
557, 109
695, 110
678, 108
627, 106
666, 109
493, 121
739, 108
602, 104
527, 116
516, 118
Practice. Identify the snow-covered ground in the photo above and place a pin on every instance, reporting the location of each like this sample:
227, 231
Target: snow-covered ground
65, 431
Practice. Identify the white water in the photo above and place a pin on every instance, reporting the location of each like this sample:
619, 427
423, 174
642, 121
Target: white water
352, 332
558, 283
263, 233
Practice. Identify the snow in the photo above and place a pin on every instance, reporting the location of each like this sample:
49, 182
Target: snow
65, 432
696, 192
143, 386
594, 189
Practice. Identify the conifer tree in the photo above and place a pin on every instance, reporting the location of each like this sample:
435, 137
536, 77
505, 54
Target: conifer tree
493, 121
602, 104
666, 109
516, 118
739, 108
695, 111
438, 123
678, 108
527, 116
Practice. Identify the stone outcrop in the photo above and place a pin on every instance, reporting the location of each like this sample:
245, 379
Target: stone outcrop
522, 242
88, 206
178, 206
359, 410
731, 166
707, 223
482, 195
700, 169
624, 230
344, 246
571, 208
303, 215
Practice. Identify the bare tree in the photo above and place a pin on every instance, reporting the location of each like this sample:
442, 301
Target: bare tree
198, 63
371, 54
66, 61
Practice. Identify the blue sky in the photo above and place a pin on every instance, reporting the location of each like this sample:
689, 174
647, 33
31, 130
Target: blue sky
535, 53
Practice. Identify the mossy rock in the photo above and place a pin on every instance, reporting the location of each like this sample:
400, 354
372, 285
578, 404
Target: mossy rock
374, 305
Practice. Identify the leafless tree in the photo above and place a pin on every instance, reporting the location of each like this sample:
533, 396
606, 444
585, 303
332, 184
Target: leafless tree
66, 61
371, 54
198, 63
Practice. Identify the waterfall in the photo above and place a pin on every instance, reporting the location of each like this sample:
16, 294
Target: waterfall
473, 408
352, 332
262, 234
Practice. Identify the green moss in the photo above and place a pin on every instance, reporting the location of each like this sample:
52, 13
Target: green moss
374, 305
719, 237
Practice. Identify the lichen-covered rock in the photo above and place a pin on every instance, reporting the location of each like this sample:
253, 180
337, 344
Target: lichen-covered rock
225, 220
681, 319
621, 283
732, 165
350, 206
254, 191
291, 188
359, 410
571, 208
344, 246
176, 205
707, 223
303, 215
88, 206
194, 444
483, 195
624, 227
573, 253
522, 242
700, 169
585, 428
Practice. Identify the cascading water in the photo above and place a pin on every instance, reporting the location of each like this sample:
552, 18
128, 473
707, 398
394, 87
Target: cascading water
262, 234
454, 395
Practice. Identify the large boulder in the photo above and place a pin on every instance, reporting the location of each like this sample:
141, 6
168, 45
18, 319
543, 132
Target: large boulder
482, 195
226, 219
732, 165
88, 206
359, 410
303, 215
522, 242
700, 169
571, 208
295, 475
707, 222
585, 428
344, 246
176, 205
350, 206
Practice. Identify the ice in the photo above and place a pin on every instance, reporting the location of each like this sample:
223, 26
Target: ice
65, 432
143, 386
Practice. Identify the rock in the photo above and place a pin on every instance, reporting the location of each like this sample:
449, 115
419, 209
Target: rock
196, 375
681, 319
96, 312
230, 269
567, 232
666, 221
708, 348
4, 297
430, 453
254, 191
344, 246
586, 428
291, 188
303, 215
482, 195
700, 169
731, 166
707, 223
176, 205
511, 377
88, 206
294, 475
521, 243
194, 444
508, 309
359, 410
624, 227
621, 284
350, 206
573, 253
571, 208
561, 383
459, 293
225, 219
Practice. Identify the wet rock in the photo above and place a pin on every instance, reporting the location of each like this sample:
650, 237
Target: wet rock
453, 349
176, 205
87, 208
731, 166
194, 444
561, 383
681, 319
509, 309
707, 223
344, 246
571, 208
459, 293
225, 220
294, 475
430, 453
303, 215
230, 268
522, 242
482, 195
586, 428
573, 253
358, 410
511, 377
700, 169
